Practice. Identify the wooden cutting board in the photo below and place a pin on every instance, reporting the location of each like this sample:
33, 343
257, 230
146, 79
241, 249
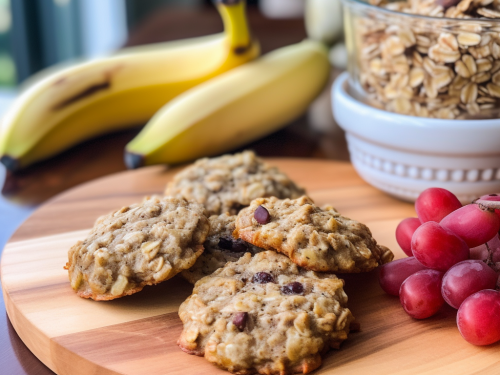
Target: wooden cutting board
138, 334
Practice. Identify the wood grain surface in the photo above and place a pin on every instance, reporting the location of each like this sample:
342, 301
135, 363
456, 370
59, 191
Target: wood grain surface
138, 334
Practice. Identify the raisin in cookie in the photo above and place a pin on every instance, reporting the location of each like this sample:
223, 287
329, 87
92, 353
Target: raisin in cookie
142, 244
314, 238
220, 248
230, 182
264, 314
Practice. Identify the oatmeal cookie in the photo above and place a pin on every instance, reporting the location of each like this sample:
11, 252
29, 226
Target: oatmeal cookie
220, 248
265, 314
230, 182
138, 245
314, 238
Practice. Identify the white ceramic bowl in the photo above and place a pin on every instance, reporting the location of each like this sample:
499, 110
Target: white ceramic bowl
404, 155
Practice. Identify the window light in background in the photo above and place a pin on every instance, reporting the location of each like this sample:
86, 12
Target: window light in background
38, 34
7, 67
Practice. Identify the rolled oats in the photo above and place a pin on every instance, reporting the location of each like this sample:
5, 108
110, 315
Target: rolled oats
433, 68
468, 95
392, 46
494, 90
496, 66
480, 52
462, 70
416, 77
448, 41
402, 106
488, 13
483, 65
469, 39
485, 100
496, 78
481, 78
440, 54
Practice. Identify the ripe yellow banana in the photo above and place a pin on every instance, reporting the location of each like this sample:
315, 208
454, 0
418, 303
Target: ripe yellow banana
118, 92
234, 108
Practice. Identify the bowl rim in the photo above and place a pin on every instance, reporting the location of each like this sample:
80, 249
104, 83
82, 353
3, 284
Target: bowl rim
340, 85
362, 3
421, 135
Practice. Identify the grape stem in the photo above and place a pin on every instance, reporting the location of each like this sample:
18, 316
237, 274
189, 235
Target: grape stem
489, 260
487, 205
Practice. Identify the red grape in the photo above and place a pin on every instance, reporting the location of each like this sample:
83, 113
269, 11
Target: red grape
491, 197
466, 278
437, 247
478, 318
434, 204
472, 224
420, 294
393, 274
405, 231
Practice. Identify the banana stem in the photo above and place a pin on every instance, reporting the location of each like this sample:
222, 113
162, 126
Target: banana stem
236, 27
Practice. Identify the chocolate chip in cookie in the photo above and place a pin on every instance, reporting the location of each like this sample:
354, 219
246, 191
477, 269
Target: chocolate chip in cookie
220, 247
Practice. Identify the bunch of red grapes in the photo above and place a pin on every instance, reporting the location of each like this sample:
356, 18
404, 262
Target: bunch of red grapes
453, 257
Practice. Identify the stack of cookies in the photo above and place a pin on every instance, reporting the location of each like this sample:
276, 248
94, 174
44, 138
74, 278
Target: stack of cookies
261, 255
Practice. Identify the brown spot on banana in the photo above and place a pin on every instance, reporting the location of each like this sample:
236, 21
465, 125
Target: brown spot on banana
240, 50
89, 91
60, 81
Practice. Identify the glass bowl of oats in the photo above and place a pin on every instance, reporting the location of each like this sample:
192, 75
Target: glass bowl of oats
420, 103
427, 58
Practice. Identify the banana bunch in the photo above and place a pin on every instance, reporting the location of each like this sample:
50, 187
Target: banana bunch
234, 108
203, 97
118, 92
